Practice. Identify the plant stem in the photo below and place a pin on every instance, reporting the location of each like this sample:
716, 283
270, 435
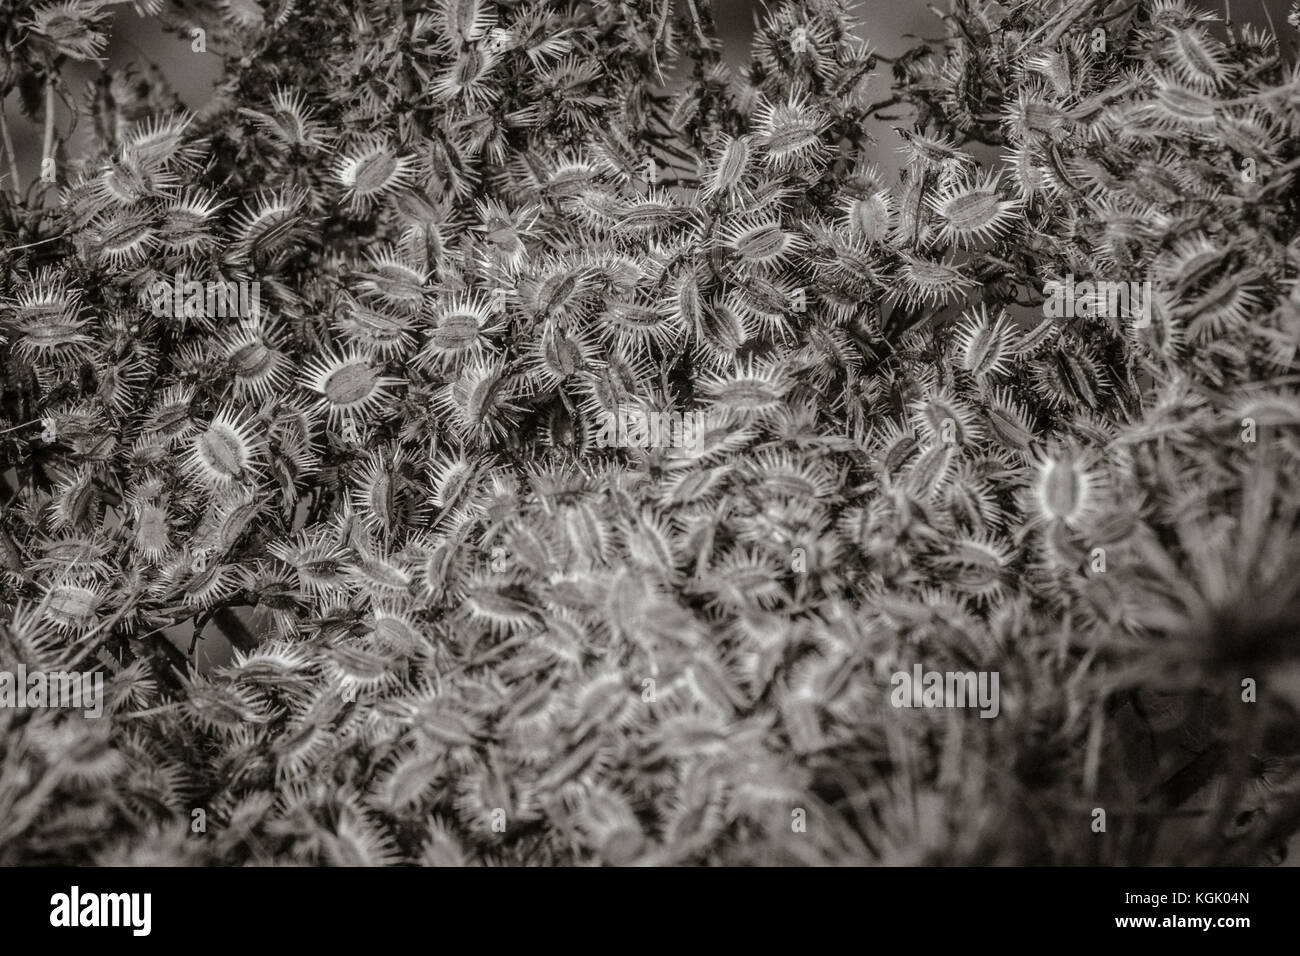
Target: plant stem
16, 187
233, 629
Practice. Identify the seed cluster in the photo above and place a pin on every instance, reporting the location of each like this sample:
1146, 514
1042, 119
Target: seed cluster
466, 628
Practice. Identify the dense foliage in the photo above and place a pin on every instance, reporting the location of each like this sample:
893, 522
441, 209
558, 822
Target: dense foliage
468, 628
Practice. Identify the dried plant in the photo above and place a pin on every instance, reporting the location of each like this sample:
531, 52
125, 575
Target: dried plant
331, 368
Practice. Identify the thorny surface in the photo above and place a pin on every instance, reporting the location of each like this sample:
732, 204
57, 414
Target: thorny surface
483, 232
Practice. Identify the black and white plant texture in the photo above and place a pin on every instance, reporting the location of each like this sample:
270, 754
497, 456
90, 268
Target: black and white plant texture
593, 453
